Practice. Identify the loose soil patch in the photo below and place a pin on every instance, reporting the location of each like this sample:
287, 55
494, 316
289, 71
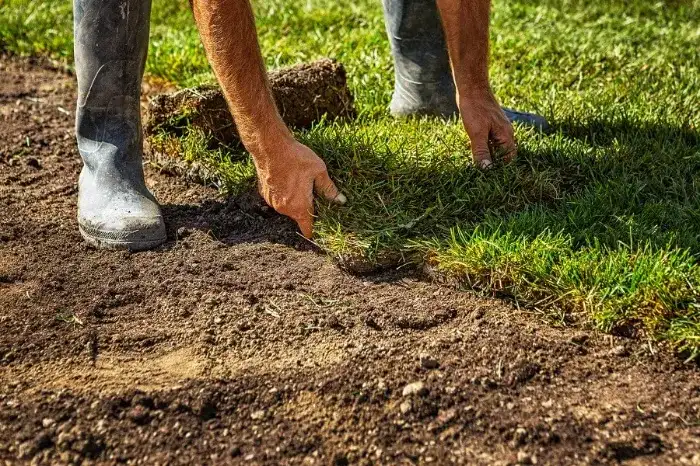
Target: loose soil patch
237, 342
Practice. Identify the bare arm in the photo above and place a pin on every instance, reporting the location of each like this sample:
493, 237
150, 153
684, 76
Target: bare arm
466, 26
288, 172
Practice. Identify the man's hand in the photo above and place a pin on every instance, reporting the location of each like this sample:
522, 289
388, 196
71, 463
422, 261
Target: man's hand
466, 26
489, 130
288, 172
288, 179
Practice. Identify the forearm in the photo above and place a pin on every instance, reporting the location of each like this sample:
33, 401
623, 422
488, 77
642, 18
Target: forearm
227, 29
466, 27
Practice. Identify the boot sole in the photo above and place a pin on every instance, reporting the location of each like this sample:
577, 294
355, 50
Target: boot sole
113, 240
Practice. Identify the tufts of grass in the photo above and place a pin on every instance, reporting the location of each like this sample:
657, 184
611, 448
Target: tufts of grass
191, 155
596, 224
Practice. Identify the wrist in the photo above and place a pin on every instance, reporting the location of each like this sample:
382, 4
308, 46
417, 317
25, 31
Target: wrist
270, 143
476, 88
475, 94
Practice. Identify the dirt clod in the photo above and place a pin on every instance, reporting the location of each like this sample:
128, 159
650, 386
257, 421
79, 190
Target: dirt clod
428, 362
415, 388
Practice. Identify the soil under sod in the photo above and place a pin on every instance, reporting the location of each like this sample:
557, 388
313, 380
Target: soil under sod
235, 343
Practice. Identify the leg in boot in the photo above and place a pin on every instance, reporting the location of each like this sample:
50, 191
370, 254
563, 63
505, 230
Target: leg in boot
115, 209
423, 83
423, 79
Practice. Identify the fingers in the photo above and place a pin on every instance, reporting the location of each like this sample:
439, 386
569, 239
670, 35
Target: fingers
504, 142
480, 150
325, 187
302, 212
306, 225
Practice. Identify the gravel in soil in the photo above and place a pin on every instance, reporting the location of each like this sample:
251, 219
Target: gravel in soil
237, 342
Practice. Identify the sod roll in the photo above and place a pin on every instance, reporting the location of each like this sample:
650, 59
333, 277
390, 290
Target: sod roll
304, 94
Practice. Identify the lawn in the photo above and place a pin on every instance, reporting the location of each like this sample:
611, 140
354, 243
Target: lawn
595, 224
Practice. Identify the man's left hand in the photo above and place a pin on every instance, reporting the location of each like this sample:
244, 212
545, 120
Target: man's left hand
488, 127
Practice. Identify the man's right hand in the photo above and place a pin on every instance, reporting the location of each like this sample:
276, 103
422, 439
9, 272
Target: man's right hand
288, 172
288, 175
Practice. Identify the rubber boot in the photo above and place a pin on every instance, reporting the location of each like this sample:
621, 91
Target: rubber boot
423, 83
115, 209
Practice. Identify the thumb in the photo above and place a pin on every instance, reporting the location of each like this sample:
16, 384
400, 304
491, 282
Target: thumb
325, 187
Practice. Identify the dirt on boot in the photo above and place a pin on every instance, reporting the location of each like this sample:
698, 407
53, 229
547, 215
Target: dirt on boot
236, 342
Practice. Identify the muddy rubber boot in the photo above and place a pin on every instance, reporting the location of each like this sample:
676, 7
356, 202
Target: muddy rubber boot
423, 83
115, 209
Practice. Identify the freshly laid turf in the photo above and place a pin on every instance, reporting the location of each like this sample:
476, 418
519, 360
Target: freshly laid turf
597, 223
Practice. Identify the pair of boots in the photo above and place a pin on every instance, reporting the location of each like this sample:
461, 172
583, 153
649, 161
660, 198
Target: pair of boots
115, 209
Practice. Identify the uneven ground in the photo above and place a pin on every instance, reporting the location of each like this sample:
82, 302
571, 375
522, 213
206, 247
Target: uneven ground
236, 342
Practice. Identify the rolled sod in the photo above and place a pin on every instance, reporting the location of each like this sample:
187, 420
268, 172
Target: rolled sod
304, 94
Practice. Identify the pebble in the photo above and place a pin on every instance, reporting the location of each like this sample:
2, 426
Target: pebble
47, 422
520, 436
415, 388
257, 415
428, 362
405, 407
524, 458
139, 415
619, 350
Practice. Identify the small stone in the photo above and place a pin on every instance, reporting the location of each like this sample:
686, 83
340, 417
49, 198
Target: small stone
47, 422
619, 350
415, 388
63, 441
257, 415
139, 415
25, 450
405, 407
428, 362
524, 458
520, 436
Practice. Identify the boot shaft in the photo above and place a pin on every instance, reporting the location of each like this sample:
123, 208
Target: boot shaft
422, 73
111, 42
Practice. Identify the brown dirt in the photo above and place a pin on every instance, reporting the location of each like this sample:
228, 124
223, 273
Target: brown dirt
237, 343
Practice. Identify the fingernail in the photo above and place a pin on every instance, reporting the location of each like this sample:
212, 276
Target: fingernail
340, 199
485, 163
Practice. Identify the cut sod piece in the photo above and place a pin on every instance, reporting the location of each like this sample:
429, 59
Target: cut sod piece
305, 94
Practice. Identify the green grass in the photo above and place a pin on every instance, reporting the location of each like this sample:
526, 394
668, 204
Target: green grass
596, 224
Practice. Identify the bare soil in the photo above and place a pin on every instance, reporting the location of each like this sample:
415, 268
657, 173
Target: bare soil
236, 342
